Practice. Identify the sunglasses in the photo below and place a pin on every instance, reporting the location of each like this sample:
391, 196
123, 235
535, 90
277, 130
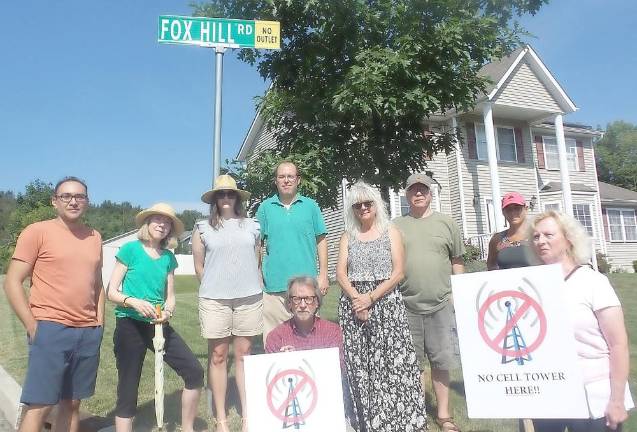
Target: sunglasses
225, 194
360, 205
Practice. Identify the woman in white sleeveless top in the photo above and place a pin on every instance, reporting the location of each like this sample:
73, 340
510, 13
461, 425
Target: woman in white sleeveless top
226, 250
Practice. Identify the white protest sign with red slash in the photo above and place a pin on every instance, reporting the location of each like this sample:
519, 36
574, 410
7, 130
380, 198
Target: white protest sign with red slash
517, 345
298, 390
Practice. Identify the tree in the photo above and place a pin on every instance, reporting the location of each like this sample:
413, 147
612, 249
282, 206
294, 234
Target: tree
32, 206
617, 155
189, 217
356, 79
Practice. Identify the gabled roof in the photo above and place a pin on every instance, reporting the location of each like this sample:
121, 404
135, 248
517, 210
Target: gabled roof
557, 187
120, 239
611, 194
500, 71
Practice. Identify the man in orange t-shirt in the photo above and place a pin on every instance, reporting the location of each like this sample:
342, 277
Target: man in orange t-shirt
64, 314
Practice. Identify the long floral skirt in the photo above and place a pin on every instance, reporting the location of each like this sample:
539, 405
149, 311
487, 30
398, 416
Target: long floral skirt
382, 369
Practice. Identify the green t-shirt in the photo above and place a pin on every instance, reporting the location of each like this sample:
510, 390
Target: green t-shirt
290, 236
145, 277
430, 244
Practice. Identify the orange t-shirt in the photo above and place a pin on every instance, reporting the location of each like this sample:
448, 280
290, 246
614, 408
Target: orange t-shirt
66, 268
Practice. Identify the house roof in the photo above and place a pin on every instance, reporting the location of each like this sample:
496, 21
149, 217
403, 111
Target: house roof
120, 239
557, 187
496, 70
501, 70
611, 194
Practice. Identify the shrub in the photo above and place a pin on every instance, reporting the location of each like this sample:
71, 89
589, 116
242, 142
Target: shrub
602, 263
472, 253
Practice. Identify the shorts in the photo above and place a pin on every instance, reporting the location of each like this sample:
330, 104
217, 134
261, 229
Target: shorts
63, 363
434, 334
220, 318
275, 311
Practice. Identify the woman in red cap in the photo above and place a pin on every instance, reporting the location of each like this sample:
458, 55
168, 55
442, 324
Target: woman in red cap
510, 248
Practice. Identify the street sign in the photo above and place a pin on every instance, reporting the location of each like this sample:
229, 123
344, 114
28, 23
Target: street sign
219, 32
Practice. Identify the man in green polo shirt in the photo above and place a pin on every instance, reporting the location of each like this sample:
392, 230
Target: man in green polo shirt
293, 229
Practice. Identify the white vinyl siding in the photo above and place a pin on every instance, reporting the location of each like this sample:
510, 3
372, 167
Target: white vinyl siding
621, 224
504, 143
524, 89
551, 154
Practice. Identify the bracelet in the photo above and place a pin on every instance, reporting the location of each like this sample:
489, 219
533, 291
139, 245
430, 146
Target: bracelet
124, 302
370, 296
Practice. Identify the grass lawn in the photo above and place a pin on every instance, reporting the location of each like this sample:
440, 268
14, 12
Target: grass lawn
14, 359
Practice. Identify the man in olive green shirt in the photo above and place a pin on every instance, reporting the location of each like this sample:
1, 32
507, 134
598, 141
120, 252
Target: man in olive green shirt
433, 251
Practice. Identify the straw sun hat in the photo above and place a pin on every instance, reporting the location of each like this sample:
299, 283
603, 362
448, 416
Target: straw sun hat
224, 182
164, 210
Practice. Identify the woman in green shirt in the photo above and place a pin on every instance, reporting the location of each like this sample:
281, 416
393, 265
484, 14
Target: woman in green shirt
142, 279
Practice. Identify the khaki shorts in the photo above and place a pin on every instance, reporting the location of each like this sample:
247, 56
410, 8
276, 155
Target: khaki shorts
220, 318
274, 311
433, 334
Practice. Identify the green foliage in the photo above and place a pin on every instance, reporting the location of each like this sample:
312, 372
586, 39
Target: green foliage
355, 80
617, 155
32, 206
602, 263
112, 219
471, 253
7, 205
189, 217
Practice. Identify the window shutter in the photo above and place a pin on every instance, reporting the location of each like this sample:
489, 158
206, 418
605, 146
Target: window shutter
580, 155
539, 148
605, 220
471, 141
519, 144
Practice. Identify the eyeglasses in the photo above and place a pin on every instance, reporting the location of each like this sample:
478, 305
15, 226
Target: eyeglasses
309, 300
226, 194
360, 205
67, 197
286, 177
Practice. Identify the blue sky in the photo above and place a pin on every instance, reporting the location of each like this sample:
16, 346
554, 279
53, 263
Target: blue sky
86, 90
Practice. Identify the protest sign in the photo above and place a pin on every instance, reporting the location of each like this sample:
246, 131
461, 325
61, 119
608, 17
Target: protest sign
298, 390
517, 345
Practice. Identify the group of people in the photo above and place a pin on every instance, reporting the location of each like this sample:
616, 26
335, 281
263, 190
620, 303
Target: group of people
261, 277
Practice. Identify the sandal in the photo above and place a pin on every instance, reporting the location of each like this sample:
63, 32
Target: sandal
447, 424
222, 426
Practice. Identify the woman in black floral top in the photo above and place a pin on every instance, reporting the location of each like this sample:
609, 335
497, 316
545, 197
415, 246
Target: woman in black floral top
380, 359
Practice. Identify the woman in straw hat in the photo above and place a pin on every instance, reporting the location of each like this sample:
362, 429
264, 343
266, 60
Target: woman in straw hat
143, 278
226, 250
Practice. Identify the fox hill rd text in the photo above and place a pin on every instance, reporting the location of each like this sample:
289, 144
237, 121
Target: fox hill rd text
209, 32
220, 34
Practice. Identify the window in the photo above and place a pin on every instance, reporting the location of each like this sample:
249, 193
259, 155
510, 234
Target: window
582, 212
504, 143
552, 206
404, 205
621, 224
551, 155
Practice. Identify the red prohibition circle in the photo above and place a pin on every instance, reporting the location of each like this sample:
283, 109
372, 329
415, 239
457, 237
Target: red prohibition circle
304, 379
495, 342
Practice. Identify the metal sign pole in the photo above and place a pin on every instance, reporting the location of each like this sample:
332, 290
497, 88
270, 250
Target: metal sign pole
216, 157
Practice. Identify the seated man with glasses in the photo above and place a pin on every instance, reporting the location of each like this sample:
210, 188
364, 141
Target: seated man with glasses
304, 330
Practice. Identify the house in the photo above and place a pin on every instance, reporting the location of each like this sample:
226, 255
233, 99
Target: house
515, 139
111, 246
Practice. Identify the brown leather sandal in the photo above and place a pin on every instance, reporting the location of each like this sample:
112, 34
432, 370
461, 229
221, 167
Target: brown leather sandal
447, 424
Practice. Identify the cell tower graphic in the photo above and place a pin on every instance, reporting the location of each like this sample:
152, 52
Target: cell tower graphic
513, 340
293, 413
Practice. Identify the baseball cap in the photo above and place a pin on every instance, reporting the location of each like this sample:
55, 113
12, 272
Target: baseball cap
513, 198
421, 178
